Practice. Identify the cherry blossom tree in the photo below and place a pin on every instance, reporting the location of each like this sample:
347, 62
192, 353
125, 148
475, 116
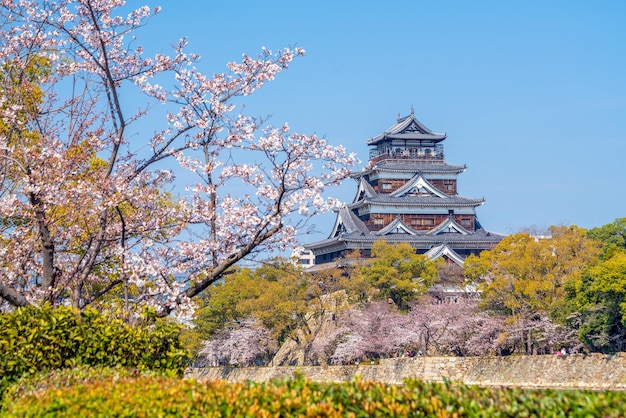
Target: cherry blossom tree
538, 334
89, 206
323, 348
377, 330
489, 337
445, 328
245, 344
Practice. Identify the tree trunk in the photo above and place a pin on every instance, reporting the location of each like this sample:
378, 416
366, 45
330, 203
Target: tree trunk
47, 245
12, 296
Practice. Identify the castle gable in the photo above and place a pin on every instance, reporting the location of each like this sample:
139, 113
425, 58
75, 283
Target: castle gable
444, 251
348, 223
397, 227
364, 191
449, 226
418, 186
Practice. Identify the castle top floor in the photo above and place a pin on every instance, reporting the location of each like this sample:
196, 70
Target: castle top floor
407, 139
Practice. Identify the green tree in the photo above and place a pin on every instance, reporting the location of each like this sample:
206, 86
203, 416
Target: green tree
601, 301
346, 277
613, 234
222, 303
399, 273
597, 300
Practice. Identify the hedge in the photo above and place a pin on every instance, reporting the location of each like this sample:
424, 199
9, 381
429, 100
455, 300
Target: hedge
161, 396
34, 339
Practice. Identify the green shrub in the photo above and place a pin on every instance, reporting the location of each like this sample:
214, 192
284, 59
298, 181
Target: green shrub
35, 339
161, 396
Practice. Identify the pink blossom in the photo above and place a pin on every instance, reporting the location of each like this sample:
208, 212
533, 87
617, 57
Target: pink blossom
89, 204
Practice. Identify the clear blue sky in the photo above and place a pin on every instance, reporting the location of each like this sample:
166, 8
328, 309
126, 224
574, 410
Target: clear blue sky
531, 94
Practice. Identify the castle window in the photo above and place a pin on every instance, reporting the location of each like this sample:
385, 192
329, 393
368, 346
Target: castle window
378, 221
386, 186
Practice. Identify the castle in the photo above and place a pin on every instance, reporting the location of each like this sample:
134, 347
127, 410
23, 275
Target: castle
408, 193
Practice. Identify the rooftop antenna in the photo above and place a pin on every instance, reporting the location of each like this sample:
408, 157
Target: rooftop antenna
412, 111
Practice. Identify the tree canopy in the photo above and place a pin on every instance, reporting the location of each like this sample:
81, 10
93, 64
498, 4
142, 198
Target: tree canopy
524, 274
597, 301
537, 294
398, 272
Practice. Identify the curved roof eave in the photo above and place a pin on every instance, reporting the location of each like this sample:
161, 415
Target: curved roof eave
411, 167
426, 239
396, 223
447, 224
436, 138
407, 201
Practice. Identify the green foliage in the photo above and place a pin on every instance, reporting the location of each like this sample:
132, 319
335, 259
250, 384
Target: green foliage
35, 339
349, 277
286, 297
148, 396
601, 299
611, 235
399, 273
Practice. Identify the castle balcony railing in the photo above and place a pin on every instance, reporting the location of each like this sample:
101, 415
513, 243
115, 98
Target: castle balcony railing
400, 158
432, 155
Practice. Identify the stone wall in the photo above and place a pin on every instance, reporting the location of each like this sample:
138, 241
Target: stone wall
594, 371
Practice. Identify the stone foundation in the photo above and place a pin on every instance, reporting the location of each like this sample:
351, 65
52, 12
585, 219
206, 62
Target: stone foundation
593, 371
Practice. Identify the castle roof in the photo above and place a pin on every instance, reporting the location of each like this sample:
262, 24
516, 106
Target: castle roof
417, 192
348, 223
365, 190
408, 128
350, 232
480, 239
418, 184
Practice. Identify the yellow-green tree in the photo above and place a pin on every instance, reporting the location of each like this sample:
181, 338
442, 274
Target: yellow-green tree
398, 272
278, 295
527, 278
527, 274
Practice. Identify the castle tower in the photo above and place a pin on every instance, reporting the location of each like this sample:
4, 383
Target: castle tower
408, 193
